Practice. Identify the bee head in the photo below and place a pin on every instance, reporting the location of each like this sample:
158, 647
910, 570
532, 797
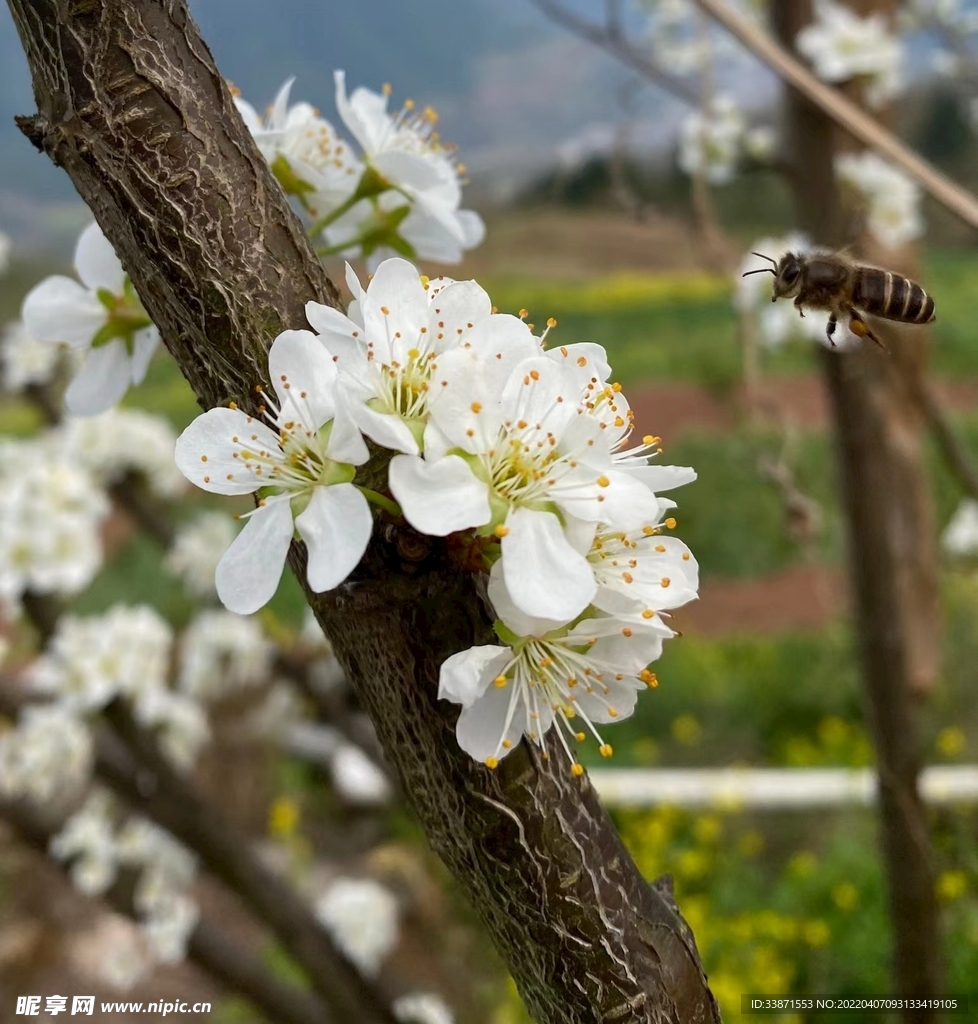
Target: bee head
787, 278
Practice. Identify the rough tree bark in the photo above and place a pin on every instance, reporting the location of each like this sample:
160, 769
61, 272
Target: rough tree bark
892, 558
131, 105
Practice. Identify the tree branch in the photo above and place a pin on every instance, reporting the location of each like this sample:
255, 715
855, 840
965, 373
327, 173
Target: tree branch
844, 112
610, 38
133, 108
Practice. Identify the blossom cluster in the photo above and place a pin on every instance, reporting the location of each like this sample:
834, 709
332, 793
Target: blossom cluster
891, 199
50, 526
715, 141
842, 46
520, 452
401, 194
97, 844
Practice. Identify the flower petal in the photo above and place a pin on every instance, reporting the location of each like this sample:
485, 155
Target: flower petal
60, 309
304, 375
96, 262
144, 344
586, 358
502, 603
346, 443
364, 113
248, 575
342, 336
544, 575
336, 527
205, 451
662, 478
440, 497
463, 677
457, 307
386, 429
482, 729
396, 288
101, 381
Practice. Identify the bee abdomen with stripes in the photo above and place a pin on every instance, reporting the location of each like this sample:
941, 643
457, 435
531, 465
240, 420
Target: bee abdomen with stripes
891, 296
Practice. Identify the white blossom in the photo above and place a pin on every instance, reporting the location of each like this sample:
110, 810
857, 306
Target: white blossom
960, 537
388, 346
302, 460
25, 359
407, 152
529, 466
760, 142
357, 779
546, 673
87, 840
841, 45
90, 660
710, 143
362, 917
221, 652
49, 754
891, 198
320, 167
50, 520
197, 550
179, 721
169, 927
101, 317
422, 1008
117, 953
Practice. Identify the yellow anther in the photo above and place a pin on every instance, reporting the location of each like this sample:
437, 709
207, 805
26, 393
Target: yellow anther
386, 89
613, 712
524, 313
500, 681
492, 762
648, 530
501, 531
551, 321
476, 407
232, 405
507, 744
577, 769
648, 613
671, 523
625, 631
605, 750
603, 481
580, 737
685, 556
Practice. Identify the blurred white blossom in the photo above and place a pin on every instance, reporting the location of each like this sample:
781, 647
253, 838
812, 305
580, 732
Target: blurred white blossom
90, 660
25, 359
423, 1008
119, 441
179, 721
101, 317
48, 754
960, 536
421, 171
50, 519
357, 779
760, 143
197, 549
318, 166
87, 840
891, 198
841, 45
362, 918
221, 652
710, 143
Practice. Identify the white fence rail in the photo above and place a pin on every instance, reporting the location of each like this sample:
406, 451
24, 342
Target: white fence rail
771, 788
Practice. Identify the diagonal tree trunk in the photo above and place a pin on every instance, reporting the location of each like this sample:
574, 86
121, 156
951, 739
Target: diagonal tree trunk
131, 105
879, 431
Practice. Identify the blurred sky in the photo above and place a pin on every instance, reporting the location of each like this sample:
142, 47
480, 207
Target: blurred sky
513, 90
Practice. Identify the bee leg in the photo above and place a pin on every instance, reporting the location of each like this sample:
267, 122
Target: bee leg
830, 328
801, 312
860, 328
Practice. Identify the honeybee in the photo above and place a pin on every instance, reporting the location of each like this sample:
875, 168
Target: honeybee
847, 289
